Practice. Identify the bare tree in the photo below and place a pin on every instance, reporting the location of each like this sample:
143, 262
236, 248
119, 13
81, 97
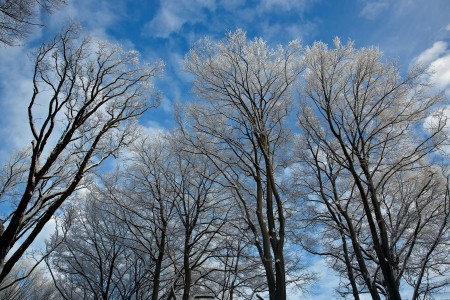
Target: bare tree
93, 261
144, 201
170, 211
17, 17
92, 91
246, 91
368, 137
201, 210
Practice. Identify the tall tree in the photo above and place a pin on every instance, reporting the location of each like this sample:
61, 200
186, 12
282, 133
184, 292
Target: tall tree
144, 198
93, 92
368, 137
201, 210
92, 261
245, 87
164, 210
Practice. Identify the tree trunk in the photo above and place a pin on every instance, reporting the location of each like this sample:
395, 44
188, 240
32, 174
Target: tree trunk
158, 267
187, 270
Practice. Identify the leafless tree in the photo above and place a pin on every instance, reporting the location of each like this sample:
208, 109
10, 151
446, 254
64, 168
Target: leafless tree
170, 211
368, 139
144, 201
91, 93
201, 210
245, 87
18, 17
93, 262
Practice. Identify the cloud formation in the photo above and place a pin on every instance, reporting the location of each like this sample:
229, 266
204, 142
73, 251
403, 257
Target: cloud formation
15, 91
431, 54
173, 14
437, 60
372, 9
441, 71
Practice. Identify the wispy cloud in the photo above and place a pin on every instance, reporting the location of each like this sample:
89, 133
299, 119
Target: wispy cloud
401, 28
372, 9
96, 17
173, 14
15, 91
285, 33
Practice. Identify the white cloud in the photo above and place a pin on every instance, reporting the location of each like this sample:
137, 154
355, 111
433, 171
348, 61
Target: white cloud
166, 22
15, 92
283, 34
441, 72
431, 54
437, 59
151, 129
96, 17
372, 9
325, 287
174, 14
166, 105
447, 27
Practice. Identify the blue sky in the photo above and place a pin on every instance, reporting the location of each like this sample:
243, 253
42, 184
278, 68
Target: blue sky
406, 30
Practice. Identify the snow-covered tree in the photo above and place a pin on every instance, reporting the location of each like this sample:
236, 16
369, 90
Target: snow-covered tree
92, 91
245, 95
377, 205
